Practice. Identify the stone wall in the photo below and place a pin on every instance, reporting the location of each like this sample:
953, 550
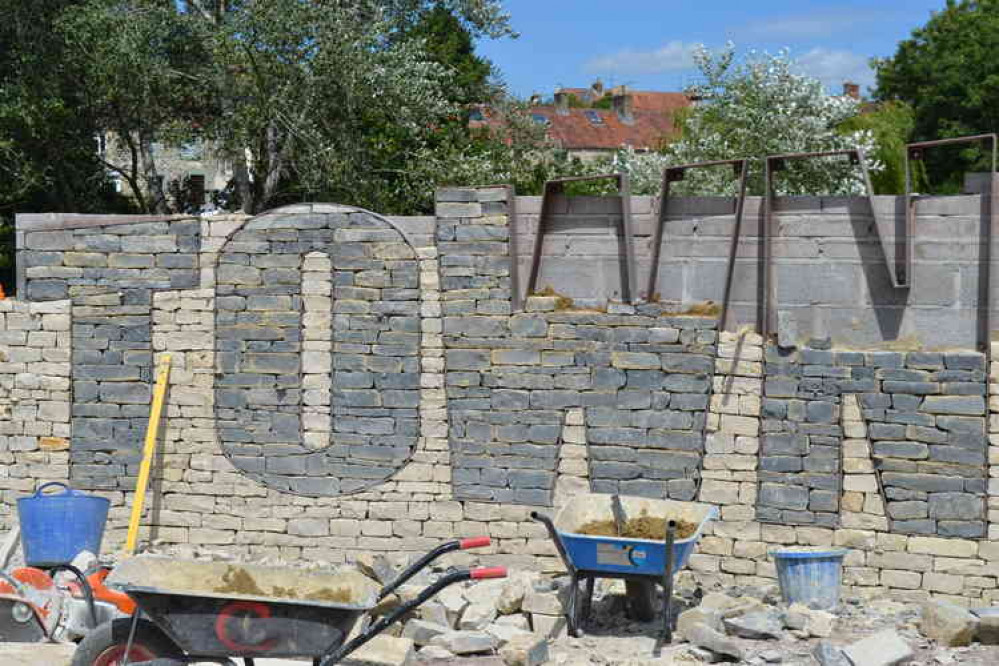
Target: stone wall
829, 269
347, 383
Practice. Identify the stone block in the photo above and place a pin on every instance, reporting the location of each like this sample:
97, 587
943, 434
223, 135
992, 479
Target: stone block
947, 623
884, 648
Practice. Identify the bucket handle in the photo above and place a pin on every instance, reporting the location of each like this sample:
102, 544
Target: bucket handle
67, 490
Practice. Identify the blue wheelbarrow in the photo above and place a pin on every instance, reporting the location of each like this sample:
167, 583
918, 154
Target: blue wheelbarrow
641, 563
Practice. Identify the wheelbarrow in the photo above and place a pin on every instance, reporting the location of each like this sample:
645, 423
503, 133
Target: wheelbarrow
641, 563
215, 612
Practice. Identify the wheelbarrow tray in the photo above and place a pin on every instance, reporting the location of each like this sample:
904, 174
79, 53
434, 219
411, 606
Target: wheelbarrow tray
202, 606
621, 556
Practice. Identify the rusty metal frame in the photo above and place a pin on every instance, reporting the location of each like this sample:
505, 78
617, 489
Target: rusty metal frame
915, 152
775, 163
675, 174
557, 186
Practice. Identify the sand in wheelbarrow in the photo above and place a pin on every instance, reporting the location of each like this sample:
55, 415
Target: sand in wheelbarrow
642, 527
238, 580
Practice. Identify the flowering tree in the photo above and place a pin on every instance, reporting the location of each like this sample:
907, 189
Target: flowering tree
751, 108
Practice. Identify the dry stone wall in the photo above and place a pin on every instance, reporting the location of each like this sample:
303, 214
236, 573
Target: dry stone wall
300, 337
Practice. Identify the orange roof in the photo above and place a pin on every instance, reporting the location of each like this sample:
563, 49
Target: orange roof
597, 129
663, 102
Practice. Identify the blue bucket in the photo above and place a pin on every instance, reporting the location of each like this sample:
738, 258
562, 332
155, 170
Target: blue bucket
812, 578
56, 528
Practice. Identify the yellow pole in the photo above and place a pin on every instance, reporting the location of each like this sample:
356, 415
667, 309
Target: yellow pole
159, 393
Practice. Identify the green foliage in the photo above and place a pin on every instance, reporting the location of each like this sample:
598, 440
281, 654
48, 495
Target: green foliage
139, 79
48, 152
449, 44
891, 124
753, 107
310, 100
947, 71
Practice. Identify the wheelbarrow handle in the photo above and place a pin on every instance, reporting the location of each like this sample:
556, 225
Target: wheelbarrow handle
556, 536
444, 548
336, 655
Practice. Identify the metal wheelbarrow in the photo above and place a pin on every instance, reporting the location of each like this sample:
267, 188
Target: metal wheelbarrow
215, 612
642, 563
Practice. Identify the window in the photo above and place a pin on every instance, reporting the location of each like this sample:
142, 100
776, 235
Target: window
196, 185
476, 114
540, 118
594, 117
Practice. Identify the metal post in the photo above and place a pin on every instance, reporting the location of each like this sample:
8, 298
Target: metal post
553, 187
668, 583
775, 163
915, 152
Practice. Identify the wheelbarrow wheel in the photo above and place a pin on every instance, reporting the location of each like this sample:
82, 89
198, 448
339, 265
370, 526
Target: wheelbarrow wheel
105, 645
641, 600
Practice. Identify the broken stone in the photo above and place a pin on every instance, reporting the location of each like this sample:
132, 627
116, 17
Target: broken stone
705, 637
433, 611
465, 642
771, 656
518, 621
453, 601
504, 632
545, 603
486, 592
717, 601
758, 625
828, 654
821, 624
548, 626
383, 650
434, 653
796, 616
525, 650
948, 624
477, 616
885, 648
698, 615
988, 629
422, 632
375, 566
515, 588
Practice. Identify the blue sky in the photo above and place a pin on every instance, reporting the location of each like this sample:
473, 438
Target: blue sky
646, 44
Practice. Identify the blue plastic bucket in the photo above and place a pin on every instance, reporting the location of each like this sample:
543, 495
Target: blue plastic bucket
812, 577
56, 528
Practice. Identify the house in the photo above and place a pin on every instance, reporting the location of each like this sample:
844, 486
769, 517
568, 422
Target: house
593, 122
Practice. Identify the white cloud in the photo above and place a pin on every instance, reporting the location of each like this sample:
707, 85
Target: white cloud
670, 57
810, 26
833, 67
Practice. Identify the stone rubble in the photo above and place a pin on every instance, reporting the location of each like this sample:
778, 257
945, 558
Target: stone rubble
521, 621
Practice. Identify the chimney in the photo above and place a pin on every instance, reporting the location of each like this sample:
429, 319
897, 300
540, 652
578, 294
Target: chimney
562, 103
597, 89
535, 100
851, 89
624, 104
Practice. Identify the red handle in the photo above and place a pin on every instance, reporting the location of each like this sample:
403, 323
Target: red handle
488, 572
474, 542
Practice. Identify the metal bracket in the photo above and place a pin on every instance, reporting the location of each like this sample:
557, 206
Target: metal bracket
675, 174
774, 163
557, 186
915, 152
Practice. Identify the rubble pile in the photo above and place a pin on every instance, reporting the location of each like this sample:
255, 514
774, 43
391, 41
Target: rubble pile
520, 621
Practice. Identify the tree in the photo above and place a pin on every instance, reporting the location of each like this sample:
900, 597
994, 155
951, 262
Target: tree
309, 99
448, 43
948, 73
891, 124
139, 67
752, 108
48, 152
